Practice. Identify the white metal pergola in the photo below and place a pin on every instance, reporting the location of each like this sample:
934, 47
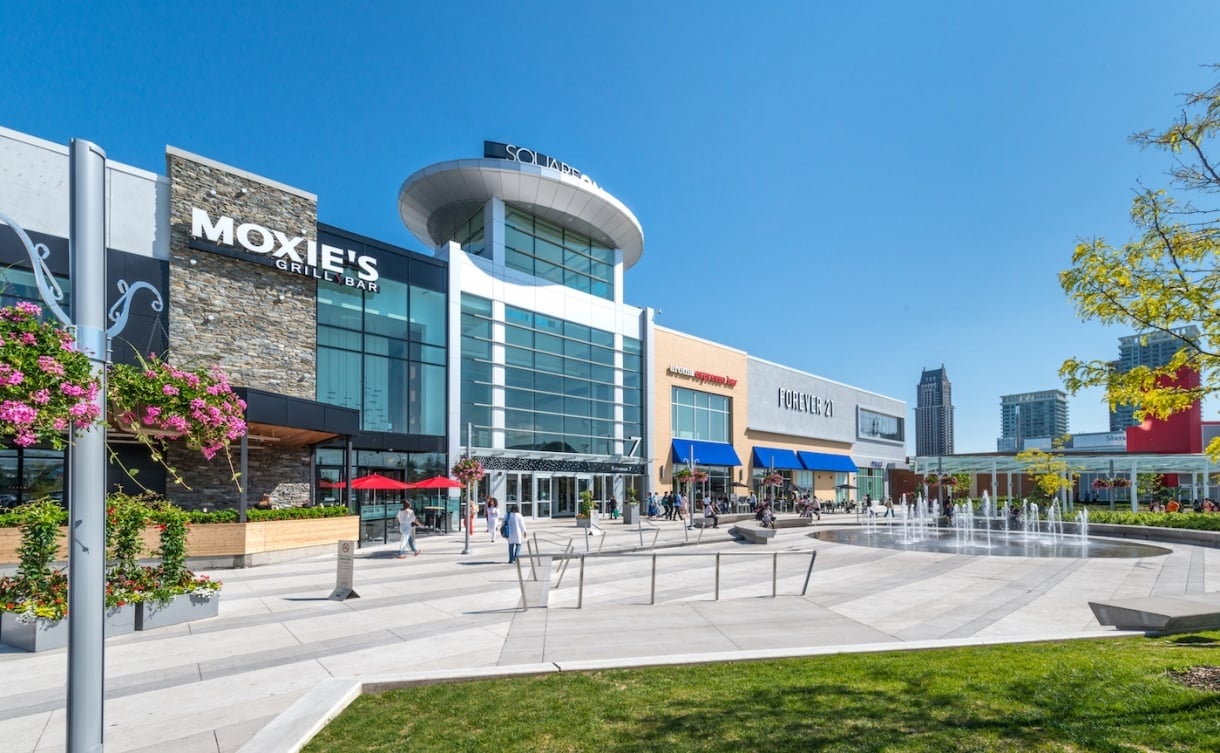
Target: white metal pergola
1087, 465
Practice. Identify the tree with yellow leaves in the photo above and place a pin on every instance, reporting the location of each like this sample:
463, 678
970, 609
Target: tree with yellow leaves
1050, 471
1165, 277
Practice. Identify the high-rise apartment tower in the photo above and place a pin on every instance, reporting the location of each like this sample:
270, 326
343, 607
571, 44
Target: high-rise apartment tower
934, 414
1151, 349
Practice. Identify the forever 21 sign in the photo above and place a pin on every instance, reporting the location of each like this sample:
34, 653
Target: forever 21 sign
277, 249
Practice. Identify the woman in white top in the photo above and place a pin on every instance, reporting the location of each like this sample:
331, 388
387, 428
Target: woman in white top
492, 512
516, 532
406, 530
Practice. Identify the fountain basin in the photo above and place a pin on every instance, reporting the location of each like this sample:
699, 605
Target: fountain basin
1001, 544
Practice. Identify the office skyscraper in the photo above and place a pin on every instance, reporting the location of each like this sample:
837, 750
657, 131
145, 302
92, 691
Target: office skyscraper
1151, 349
1032, 414
934, 414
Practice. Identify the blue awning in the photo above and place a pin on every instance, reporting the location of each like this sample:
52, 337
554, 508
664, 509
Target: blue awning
706, 453
782, 460
827, 461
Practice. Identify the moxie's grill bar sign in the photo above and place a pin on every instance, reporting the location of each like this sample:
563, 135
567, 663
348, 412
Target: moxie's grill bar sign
703, 376
804, 402
277, 249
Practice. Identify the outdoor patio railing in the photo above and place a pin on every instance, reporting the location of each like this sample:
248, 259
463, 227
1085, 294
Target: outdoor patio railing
567, 555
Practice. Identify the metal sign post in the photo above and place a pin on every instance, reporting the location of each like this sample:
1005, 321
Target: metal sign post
344, 576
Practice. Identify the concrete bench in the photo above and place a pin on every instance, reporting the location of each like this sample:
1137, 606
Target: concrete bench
1160, 614
725, 517
793, 522
753, 534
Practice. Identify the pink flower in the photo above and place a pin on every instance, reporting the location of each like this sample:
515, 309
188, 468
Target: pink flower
28, 338
169, 389
72, 390
50, 366
17, 413
41, 397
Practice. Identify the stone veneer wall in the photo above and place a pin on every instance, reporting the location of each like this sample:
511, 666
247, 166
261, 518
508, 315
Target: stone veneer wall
282, 472
257, 338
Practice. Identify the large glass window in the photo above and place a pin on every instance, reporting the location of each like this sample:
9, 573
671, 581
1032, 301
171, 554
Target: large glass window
559, 382
545, 250
701, 415
384, 354
881, 426
469, 235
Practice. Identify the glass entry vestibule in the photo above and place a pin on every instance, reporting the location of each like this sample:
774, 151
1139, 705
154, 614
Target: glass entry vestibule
557, 494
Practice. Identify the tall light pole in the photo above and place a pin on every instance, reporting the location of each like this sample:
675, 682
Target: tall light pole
690, 502
87, 456
468, 518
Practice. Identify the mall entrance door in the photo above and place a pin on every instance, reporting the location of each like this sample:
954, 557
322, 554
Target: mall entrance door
566, 492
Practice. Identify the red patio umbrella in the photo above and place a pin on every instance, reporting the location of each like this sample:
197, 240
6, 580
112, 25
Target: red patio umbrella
436, 482
376, 481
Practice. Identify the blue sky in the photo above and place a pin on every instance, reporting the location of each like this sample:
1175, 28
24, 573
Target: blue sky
859, 190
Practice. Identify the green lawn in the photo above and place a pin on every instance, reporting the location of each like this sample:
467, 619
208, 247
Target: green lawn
1101, 695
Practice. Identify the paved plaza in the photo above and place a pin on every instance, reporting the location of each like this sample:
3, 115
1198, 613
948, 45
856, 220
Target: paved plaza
213, 685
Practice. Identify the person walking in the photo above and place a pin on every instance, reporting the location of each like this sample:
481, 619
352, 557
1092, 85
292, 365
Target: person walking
680, 507
516, 532
668, 502
406, 530
492, 511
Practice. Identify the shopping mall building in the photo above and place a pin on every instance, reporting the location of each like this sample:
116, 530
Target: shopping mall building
508, 339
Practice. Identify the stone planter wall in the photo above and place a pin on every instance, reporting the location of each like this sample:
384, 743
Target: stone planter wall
224, 545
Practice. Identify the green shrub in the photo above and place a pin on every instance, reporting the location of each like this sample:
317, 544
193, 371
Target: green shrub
1197, 521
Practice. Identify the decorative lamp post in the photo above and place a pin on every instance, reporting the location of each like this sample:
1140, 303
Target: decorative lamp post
87, 456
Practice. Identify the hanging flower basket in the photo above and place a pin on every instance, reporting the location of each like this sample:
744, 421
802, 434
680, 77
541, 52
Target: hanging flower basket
698, 476
468, 471
47, 387
948, 481
156, 401
773, 479
931, 479
683, 475
1121, 483
1101, 483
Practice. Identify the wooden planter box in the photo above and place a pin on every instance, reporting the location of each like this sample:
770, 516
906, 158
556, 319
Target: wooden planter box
217, 545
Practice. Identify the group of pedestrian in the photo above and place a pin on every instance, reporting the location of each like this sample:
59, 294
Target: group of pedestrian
674, 504
512, 529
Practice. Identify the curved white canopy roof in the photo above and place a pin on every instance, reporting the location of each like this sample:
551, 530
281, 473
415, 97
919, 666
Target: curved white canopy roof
433, 201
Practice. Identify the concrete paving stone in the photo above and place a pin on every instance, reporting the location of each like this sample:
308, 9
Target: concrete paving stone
23, 733
446, 614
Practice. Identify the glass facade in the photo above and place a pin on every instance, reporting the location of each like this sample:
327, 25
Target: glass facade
564, 388
874, 425
555, 254
701, 415
470, 236
384, 353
